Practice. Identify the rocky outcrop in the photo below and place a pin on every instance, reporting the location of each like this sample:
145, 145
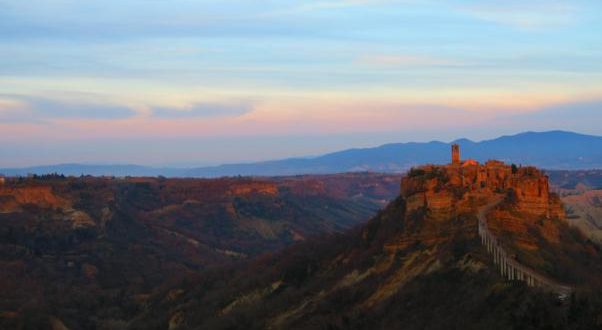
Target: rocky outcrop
265, 188
584, 211
442, 194
527, 220
449, 190
14, 198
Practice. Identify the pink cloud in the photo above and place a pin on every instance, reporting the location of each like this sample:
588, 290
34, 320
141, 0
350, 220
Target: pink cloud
402, 60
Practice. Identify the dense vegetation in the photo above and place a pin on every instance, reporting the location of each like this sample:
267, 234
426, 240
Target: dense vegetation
352, 282
177, 253
90, 251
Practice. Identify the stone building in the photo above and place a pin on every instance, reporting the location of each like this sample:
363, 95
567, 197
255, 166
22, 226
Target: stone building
439, 187
455, 154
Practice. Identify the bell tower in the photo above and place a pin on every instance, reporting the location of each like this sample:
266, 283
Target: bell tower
455, 154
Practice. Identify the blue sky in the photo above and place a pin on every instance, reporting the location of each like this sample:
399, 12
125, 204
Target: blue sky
185, 82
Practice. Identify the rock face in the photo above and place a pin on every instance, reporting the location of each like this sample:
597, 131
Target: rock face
584, 211
442, 200
241, 189
14, 198
449, 190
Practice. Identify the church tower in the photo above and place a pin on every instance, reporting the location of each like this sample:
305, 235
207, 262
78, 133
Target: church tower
455, 154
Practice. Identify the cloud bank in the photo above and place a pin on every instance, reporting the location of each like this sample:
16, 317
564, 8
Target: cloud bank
333, 73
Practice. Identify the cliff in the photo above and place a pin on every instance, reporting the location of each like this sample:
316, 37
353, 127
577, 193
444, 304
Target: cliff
584, 211
15, 198
244, 189
530, 221
441, 194
457, 189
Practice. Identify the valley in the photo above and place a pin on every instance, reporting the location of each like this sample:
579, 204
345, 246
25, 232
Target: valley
300, 165
145, 253
418, 264
103, 245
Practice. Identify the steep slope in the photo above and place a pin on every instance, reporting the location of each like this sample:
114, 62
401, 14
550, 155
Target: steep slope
584, 211
419, 264
581, 194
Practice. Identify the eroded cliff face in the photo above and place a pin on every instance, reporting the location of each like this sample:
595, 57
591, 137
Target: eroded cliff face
43, 200
14, 198
442, 201
248, 188
585, 212
444, 192
440, 195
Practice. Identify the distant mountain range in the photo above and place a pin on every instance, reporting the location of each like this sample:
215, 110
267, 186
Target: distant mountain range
550, 150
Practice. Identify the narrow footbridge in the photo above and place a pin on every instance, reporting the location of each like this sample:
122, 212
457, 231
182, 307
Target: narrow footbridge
509, 267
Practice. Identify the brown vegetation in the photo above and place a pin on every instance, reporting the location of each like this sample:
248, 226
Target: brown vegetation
418, 264
89, 252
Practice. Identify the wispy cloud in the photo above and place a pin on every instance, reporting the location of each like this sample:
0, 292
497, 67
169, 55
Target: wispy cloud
203, 110
318, 5
531, 14
153, 69
402, 60
37, 110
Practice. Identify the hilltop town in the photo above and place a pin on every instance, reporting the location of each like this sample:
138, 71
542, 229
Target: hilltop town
460, 188
514, 207
460, 185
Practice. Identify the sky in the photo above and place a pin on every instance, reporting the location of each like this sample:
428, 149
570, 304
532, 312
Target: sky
193, 82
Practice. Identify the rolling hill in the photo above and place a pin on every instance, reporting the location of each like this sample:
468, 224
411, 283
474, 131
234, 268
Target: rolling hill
550, 150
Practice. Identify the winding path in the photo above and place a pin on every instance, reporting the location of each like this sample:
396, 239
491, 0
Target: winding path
509, 267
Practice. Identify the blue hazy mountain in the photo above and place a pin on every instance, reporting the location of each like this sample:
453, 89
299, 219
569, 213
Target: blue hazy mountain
551, 150
95, 170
